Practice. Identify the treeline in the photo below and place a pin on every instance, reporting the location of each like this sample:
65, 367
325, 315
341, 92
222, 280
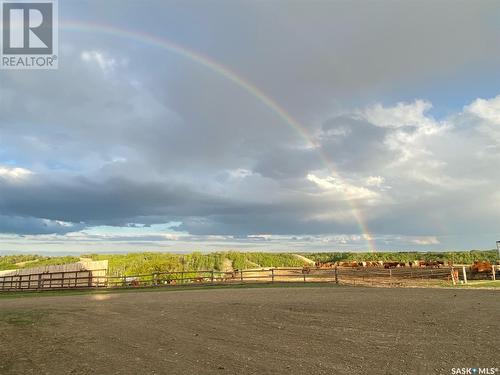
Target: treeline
145, 263
11, 262
457, 257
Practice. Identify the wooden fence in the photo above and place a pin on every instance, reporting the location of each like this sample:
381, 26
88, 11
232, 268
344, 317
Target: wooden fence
340, 275
55, 280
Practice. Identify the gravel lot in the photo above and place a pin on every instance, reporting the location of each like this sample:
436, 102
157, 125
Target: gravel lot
289, 330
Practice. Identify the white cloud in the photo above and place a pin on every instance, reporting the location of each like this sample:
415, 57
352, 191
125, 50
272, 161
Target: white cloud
107, 64
240, 173
411, 127
432, 240
347, 189
487, 109
400, 115
15, 173
375, 181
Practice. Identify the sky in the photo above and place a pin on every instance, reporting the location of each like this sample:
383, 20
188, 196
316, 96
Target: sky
269, 125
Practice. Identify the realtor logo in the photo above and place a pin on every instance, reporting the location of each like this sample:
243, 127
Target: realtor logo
29, 34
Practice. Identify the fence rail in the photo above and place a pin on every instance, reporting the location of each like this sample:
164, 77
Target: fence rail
340, 275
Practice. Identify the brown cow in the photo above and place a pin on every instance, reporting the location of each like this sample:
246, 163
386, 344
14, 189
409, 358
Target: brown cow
481, 267
431, 263
348, 264
325, 264
391, 265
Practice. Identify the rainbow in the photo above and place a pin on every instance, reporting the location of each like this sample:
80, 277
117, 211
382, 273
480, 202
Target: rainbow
223, 71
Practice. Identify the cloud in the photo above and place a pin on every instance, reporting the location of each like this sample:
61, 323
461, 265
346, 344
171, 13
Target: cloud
347, 190
426, 241
375, 181
107, 64
486, 109
14, 173
35, 226
400, 115
126, 132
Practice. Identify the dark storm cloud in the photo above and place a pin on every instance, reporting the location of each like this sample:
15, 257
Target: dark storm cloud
116, 201
30, 225
355, 144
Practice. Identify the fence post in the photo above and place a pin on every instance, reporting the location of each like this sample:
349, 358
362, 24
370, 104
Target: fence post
464, 274
304, 277
212, 276
336, 275
453, 277
241, 275
493, 276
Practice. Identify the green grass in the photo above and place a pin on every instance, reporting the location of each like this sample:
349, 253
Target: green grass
481, 284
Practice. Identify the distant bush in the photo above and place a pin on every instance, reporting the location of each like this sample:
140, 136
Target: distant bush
146, 263
457, 257
10, 262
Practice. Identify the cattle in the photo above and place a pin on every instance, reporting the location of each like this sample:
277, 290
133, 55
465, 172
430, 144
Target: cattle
481, 267
436, 264
429, 263
349, 264
131, 281
325, 265
388, 265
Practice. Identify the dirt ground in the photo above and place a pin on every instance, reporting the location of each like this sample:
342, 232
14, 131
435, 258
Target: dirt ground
289, 330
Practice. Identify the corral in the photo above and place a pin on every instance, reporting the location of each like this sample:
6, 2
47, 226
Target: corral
325, 329
24, 280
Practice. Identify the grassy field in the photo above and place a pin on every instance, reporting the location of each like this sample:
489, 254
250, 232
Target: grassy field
481, 284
